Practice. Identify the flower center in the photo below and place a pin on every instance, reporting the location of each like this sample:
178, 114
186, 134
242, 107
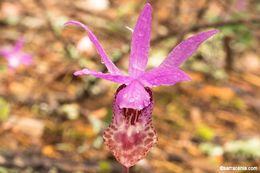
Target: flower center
131, 115
133, 96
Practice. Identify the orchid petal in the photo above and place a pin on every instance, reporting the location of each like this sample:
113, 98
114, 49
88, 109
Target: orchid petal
186, 48
26, 59
19, 44
4, 52
13, 50
108, 63
133, 96
111, 77
168, 72
163, 76
140, 42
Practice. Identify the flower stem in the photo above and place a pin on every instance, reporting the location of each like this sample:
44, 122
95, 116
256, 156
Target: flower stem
126, 169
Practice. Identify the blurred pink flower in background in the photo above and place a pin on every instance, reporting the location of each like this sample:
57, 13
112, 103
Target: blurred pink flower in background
15, 56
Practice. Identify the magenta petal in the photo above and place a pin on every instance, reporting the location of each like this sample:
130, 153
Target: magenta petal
130, 136
163, 76
5, 52
26, 59
19, 44
14, 49
186, 48
108, 63
111, 77
140, 42
168, 72
133, 96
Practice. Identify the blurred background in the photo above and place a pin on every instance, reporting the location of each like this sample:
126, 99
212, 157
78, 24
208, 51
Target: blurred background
52, 122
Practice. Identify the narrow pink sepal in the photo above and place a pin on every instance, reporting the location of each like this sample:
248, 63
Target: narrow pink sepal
19, 44
111, 77
186, 48
163, 76
108, 63
140, 42
26, 59
4, 52
14, 49
168, 72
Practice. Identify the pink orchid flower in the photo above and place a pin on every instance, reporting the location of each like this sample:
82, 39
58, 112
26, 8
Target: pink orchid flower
131, 135
15, 56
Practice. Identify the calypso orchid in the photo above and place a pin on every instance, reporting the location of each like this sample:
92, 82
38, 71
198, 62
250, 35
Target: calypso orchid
15, 56
131, 135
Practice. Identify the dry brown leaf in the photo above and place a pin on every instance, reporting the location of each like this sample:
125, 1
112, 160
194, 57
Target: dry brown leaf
29, 126
99, 113
170, 166
223, 93
196, 77
50, 151
251, 78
